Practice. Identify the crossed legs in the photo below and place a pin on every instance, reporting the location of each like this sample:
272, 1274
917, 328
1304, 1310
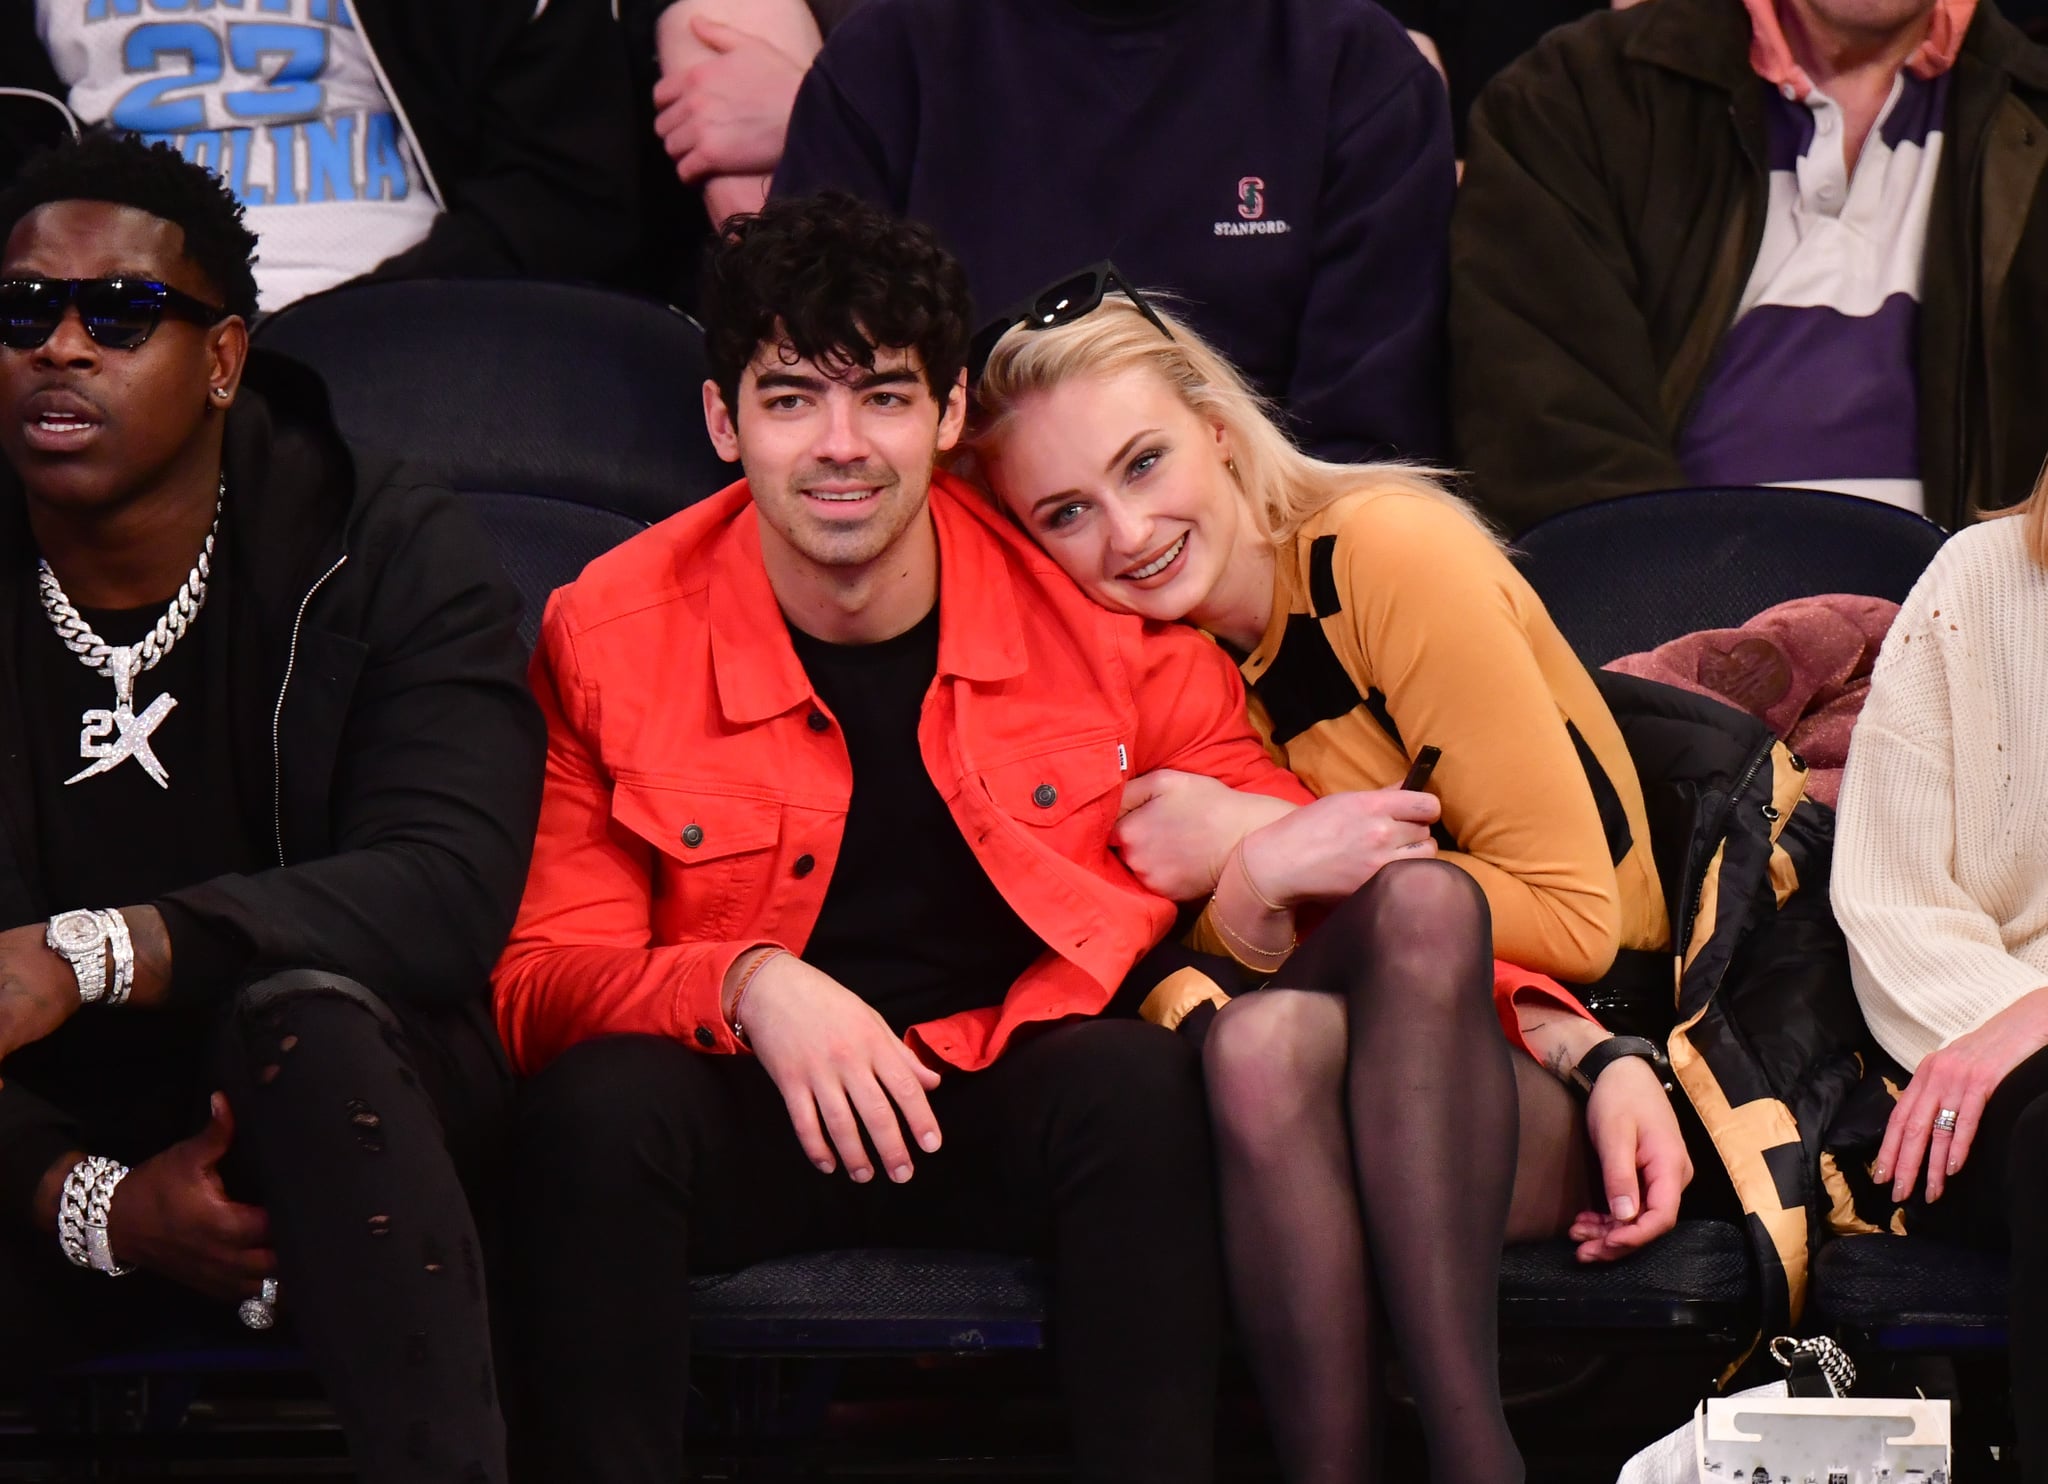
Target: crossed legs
1368, 1118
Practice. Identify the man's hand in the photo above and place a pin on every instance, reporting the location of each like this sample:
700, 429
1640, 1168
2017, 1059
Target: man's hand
1175, 830
1644, 1166
172, 1216
38, 991
838, 1067
726, 113
1326, 850
1961, 1075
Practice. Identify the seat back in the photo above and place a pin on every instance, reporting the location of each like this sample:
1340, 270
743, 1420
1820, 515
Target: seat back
1624, 575
570, 417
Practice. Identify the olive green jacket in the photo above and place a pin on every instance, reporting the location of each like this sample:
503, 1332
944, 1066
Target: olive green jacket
1613, 205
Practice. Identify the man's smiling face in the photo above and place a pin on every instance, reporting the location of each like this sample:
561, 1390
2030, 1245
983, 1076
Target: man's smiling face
839, 458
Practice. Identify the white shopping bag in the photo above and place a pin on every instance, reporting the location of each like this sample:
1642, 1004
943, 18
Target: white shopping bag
1765, 1436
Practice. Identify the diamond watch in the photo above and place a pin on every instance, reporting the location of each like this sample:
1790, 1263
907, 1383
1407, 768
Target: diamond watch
81, 938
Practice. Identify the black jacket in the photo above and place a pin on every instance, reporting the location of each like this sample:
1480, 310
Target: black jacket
520, 111
381, 730
1764, 1032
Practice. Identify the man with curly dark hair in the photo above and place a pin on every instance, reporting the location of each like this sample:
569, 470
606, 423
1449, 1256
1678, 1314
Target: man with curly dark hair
270, 782
825, 878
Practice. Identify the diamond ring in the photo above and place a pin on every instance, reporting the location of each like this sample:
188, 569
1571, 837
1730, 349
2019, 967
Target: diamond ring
260, 1313
1945, 1120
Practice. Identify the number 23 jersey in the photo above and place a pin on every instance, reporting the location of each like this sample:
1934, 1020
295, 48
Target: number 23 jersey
281, 98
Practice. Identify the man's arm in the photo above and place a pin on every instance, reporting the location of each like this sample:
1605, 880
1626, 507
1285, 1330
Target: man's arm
552, 190
435, 791
1555, 390
1191, 714
582, 960
1368, 377
730, 70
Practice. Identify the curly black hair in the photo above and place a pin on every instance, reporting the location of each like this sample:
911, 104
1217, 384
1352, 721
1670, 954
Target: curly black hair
831, 278
105, 165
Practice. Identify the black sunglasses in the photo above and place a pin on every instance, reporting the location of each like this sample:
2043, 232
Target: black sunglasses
1059, 303
119, 313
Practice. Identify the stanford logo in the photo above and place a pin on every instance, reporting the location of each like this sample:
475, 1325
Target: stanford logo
1251, 211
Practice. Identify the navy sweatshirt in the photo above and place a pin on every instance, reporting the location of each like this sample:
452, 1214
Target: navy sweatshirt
1284, 166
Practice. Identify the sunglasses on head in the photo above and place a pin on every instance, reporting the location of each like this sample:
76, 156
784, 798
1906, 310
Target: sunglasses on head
119, 313
1059, 303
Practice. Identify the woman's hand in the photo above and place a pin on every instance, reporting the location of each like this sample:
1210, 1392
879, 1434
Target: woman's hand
1177, 829
1644, 1167
1961, 1075
1326, 850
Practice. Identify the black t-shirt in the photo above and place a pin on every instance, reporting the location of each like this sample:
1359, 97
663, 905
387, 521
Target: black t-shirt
119, 838
136, 1078
911, 922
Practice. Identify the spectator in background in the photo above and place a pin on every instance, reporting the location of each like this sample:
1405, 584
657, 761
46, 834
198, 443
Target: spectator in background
1739, 242
1283, 166
1940, 886
368, 138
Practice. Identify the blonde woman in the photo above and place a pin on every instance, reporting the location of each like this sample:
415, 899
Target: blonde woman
1377, 1138
1941, 885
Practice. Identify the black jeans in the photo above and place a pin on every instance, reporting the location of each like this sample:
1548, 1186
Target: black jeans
641, 1161
1999, 1201
352, 1118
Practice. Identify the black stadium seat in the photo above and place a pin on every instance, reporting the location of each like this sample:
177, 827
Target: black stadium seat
571, 417
1912, 1294
1625, 575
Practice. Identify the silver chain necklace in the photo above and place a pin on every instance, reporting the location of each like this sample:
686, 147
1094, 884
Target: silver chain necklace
109, 738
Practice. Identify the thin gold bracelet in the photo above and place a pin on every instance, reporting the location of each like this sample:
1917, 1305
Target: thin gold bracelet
1248, 952
1244, 870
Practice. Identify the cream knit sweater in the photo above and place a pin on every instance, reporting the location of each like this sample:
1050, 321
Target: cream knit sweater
1941, 853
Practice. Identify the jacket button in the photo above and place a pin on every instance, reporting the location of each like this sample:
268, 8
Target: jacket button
817, 721
693, 835
804, 865
1045, 796
705, 1038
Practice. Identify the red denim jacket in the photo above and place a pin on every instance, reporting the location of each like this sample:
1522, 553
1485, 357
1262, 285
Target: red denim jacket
697, 788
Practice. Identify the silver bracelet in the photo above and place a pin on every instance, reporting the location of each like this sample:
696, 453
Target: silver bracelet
121, 949
82, 1214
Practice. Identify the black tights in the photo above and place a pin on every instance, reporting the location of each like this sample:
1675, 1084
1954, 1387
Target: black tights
345, 1122
1366, 1133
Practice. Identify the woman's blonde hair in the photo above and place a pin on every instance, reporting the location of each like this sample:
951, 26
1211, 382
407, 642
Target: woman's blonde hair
1283, 486
2034, 511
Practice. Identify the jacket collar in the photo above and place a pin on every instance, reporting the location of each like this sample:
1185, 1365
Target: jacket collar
1711, 40
754, 665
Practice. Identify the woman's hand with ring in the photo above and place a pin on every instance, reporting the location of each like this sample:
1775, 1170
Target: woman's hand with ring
1960, 1077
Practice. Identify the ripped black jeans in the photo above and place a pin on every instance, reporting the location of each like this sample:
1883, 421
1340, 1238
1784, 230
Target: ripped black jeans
358, 1126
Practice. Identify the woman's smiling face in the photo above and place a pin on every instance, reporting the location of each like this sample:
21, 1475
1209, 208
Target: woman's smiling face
1126, 487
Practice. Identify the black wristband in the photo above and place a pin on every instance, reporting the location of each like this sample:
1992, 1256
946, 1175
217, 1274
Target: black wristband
1613, 1049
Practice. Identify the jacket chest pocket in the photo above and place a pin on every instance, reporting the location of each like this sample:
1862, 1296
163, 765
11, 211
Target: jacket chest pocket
713, 854
1067, 797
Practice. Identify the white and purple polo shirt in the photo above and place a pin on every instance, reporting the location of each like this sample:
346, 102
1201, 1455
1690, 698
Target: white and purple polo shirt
1817, 381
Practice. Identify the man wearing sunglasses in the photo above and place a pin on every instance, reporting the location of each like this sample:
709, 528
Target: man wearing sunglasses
824, 912
270, 775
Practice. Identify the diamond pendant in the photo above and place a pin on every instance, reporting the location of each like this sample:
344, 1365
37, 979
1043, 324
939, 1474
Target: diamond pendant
128, 732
